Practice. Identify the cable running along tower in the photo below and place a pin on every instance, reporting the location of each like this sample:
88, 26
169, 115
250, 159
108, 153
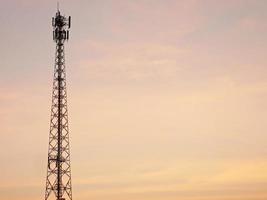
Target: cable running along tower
58, 180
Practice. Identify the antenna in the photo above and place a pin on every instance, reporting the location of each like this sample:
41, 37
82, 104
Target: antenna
58, 179
58, 6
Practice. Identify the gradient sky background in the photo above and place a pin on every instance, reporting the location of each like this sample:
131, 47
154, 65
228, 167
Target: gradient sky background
167, 98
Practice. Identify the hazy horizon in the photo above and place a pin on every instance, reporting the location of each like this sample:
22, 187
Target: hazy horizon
167, 98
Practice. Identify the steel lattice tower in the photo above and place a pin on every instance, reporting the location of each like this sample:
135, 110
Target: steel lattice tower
58, 180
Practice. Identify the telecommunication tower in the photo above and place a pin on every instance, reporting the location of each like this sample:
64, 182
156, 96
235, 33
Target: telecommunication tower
58, 180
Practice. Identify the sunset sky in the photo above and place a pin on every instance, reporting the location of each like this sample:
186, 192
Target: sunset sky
167, 98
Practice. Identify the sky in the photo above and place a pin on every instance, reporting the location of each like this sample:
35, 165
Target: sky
167, 98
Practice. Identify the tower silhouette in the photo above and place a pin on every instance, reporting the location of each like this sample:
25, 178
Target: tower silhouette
58, 180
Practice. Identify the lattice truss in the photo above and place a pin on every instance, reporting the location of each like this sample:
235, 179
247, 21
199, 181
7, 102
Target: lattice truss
58, 181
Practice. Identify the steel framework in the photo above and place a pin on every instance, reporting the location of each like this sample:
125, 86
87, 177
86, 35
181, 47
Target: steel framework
58, 180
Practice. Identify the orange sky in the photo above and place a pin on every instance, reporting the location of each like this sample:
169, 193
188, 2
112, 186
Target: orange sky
167, 98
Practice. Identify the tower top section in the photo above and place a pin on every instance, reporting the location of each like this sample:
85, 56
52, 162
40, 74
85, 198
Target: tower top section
61, 26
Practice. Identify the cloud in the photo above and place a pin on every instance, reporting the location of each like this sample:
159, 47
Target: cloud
131, 61
187, 179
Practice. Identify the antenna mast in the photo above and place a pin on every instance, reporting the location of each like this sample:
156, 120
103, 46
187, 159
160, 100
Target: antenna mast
58, 180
